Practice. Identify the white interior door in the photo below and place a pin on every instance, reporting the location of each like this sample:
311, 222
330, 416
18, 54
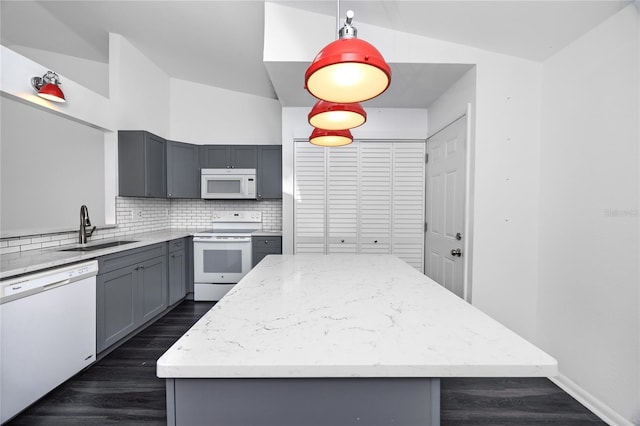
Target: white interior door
445, 188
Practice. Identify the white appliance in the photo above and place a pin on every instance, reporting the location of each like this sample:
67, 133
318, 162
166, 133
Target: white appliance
48, 334
222, 255
228, 183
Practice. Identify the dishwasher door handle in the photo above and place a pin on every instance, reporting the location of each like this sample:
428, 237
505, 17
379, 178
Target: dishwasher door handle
58, 284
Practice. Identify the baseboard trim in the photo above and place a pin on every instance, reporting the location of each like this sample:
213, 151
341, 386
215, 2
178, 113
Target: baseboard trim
597, 407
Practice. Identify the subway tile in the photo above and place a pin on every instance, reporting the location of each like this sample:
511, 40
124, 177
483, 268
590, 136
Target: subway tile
7, 250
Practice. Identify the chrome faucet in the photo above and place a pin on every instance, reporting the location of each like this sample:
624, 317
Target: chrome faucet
84, 222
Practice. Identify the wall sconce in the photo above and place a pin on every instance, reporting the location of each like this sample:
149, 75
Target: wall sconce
330, 137
332, 116
48, 87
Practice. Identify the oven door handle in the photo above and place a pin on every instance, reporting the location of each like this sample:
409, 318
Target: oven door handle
225, 241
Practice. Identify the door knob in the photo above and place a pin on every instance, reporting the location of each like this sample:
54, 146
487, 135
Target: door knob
456, 252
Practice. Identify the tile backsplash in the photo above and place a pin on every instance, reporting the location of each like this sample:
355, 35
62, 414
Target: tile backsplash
135, 215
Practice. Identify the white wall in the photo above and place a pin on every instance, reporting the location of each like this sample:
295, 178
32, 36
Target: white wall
588, 293
506, 158
139, 99
205, 115
138, 89
83, 105
93, 75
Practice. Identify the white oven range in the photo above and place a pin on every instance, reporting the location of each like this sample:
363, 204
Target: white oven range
222, 255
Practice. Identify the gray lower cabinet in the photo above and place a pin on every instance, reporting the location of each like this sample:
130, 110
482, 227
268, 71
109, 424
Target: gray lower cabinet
141, 164
262, 246
131, 289
269, 171
177, 270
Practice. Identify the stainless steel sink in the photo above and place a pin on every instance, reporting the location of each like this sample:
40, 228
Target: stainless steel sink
98, 246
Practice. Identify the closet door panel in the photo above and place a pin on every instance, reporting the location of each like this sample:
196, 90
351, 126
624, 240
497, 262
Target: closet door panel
310, 198
342, 199
375, 197
408, 203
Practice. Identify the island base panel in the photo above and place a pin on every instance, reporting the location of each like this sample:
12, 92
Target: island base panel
309, 402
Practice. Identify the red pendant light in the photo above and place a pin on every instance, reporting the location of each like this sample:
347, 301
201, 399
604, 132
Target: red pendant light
48, 87
330, 138
348, 70
332, 116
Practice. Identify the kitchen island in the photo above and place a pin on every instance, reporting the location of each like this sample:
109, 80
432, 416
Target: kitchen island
335, 340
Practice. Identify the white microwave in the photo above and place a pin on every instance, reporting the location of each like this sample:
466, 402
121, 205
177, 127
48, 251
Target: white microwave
228, 183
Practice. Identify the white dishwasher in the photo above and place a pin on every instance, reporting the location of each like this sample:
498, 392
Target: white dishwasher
47, 332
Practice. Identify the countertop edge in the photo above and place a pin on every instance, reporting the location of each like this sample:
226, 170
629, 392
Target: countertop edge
15, 264
36, 260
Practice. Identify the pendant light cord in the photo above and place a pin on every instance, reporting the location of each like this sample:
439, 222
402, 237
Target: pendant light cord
338, 17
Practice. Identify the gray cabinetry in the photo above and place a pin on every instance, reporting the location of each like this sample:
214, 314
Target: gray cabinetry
262, 246
229, 156
183, 170
269, 171
152, 283
116, 309
141, 164
131, 289
177, 270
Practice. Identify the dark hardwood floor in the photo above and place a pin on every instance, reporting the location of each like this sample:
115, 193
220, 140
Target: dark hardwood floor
123, 389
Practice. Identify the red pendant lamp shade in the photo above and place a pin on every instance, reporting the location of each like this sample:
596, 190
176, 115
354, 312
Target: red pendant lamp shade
330, 137
348, 70
332, 116
52, 92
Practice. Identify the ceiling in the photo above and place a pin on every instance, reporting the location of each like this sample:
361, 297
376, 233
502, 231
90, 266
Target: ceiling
190, 39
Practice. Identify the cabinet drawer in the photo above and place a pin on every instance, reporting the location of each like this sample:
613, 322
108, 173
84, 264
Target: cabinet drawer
177, 244
270, 242
125, 258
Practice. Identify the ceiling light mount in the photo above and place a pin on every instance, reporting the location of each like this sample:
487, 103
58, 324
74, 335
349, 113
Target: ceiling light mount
348, 30
48, 87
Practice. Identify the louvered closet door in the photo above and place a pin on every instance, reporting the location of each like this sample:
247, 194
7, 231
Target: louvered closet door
375, 197
342, 199
310, 196
408, 202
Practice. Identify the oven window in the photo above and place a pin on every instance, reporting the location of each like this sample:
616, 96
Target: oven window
223, 186
222, 261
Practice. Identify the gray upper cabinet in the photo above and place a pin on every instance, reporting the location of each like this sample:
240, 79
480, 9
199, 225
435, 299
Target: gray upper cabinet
183, 170
229, 156
150, 166
141, 164
269, 171
214, 156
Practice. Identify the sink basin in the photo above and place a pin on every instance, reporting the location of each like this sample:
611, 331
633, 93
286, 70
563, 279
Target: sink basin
99, 246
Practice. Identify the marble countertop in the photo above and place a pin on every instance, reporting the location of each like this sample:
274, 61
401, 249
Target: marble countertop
347, 316
34, 260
